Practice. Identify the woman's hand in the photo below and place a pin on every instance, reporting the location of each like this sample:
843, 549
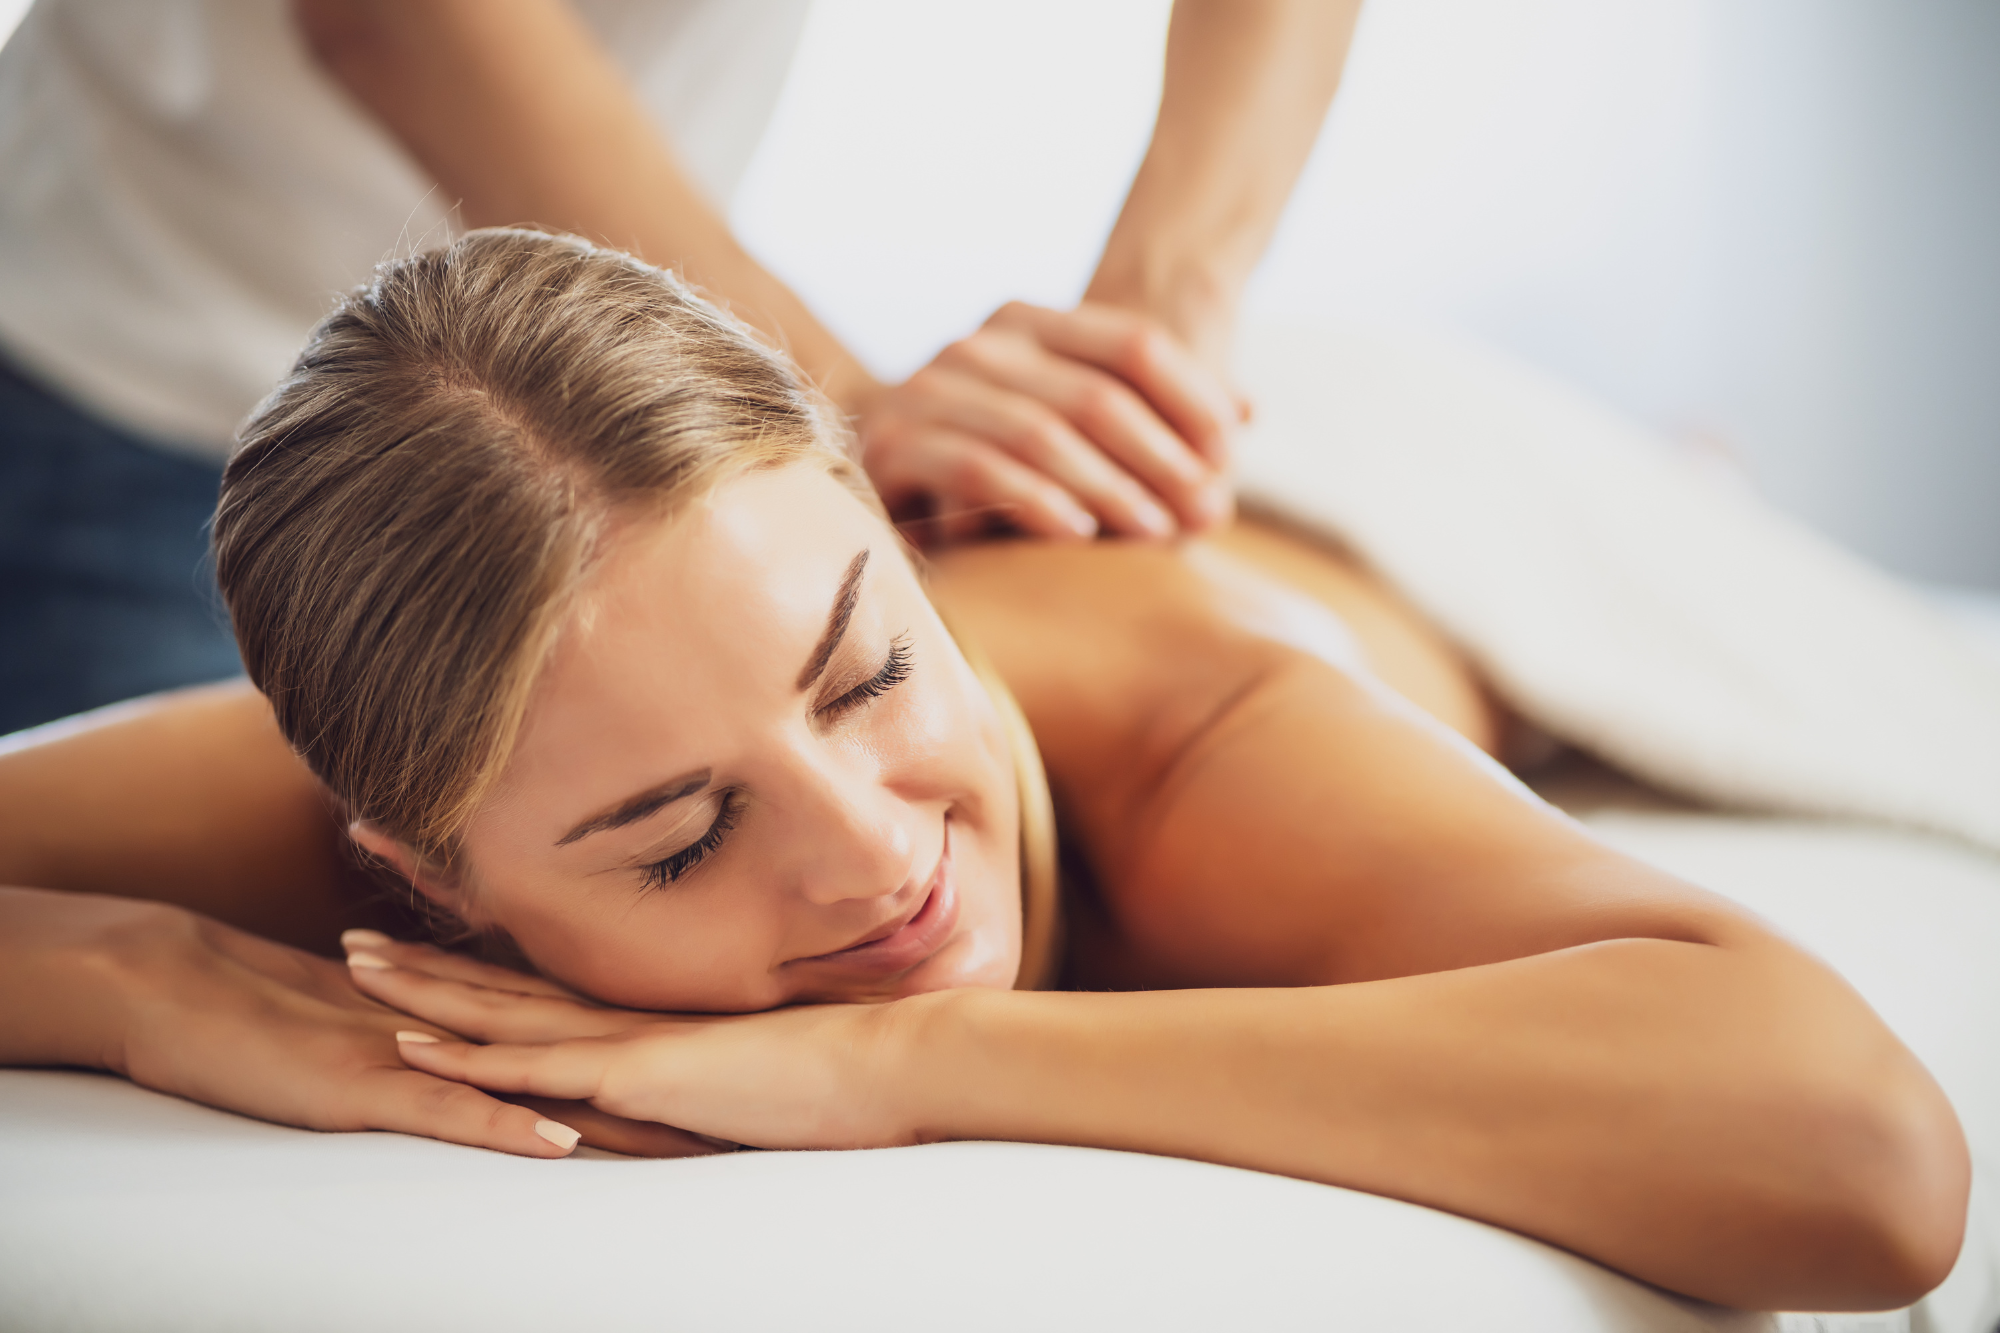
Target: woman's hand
1061, 423
183, 1004
807, 1077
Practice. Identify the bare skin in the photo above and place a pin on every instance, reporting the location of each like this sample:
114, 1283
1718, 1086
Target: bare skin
1361, 954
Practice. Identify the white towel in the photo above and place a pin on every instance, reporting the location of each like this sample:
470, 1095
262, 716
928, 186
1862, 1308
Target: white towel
1616, 597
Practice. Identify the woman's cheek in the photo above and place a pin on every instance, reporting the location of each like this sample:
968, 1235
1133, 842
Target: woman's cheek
655, 954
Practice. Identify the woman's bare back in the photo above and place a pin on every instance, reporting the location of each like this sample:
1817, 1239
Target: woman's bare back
1270, 770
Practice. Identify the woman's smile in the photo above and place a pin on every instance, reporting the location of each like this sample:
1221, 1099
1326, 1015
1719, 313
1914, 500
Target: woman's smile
911, 937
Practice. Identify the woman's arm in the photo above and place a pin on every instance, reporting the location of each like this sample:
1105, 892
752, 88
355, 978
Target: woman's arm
1247, 84
191, 798
1721, 1119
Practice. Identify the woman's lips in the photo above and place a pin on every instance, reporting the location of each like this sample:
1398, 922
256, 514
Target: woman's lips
898, 946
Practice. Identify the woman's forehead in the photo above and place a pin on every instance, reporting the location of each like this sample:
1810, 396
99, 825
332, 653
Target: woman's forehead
687, 621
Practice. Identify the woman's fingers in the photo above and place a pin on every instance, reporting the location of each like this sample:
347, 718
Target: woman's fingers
573, 1070
444, 963
405, 1101
1135, 349
614, 1133
480, 1012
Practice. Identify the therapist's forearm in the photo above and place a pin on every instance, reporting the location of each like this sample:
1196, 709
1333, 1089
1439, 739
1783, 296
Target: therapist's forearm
1247, 86
523, 119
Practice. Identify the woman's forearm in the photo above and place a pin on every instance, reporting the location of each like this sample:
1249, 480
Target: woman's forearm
523, 119
59, 1004
1729, 1122
1247, 85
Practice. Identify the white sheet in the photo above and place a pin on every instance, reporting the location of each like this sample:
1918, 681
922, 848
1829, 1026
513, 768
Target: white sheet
121, 1209
1680, 629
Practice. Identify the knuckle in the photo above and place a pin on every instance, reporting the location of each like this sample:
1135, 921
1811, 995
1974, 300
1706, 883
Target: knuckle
1140, 349
968, 473
963, 355
1100, 403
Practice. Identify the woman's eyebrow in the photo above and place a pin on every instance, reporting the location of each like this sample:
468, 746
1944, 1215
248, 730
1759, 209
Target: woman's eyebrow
638, 807
836, 620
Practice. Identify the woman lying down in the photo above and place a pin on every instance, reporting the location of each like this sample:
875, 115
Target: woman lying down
561, 585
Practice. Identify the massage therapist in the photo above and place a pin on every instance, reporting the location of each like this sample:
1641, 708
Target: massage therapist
186, 185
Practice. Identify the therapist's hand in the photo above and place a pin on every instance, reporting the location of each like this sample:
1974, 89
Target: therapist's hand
1057, 423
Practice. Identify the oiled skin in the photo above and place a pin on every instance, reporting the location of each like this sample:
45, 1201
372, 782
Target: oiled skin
1178, 717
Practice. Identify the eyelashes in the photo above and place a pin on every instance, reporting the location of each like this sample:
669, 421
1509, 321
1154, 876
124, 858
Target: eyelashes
667, 870
895, 670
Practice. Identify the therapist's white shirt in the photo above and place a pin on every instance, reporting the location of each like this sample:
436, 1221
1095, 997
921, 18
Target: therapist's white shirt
184, 192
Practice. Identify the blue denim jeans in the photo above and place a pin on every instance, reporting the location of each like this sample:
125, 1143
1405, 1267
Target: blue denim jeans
106, 588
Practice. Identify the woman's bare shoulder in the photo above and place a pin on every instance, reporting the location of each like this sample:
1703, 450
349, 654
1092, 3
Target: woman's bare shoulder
1254, 804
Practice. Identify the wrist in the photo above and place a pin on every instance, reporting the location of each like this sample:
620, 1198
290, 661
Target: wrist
937, 1063
1192, 299
73, 966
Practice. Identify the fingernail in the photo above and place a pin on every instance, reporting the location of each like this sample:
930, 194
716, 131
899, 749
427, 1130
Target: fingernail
1081, 523
1214, 505
364, 939
369, 961
417, 1038
559, 1134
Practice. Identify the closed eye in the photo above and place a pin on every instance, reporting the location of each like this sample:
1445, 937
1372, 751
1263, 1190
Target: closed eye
895, 670
669, 869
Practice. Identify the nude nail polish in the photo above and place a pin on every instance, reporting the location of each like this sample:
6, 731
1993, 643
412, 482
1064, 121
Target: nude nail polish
559, 1134
364, 939
417, 1038
369, 961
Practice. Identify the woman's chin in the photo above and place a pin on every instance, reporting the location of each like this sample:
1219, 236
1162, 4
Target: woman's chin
988, 957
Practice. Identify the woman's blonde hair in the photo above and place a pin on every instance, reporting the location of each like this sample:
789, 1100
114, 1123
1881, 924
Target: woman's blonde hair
405, 516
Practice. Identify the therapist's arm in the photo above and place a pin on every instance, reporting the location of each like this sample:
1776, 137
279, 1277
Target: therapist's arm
1247, 85
522, 118
1059, 423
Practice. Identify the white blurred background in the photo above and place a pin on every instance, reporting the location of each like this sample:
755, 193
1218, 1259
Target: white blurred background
1767, 225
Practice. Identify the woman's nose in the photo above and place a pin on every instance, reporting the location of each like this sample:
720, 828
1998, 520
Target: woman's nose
859, 843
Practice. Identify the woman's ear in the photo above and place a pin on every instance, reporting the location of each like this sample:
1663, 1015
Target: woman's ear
438, 884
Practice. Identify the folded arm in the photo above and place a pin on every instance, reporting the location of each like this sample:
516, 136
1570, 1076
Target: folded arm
152, 856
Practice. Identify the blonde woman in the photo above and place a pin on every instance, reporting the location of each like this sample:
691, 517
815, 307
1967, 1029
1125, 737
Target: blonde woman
584, 625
